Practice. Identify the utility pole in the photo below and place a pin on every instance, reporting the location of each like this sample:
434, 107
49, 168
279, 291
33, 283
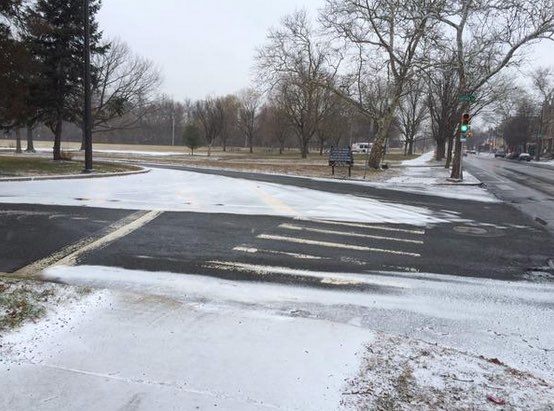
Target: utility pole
87, 113
172, 123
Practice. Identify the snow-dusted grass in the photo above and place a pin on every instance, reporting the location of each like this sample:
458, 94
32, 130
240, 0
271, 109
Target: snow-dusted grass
399, 373
26, 300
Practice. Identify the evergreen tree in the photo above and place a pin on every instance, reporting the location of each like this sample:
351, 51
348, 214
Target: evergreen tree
14, 65
55, 35
192, 137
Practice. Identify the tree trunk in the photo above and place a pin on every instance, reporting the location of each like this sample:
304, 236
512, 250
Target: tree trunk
441, 149
304, 148
411, 147
450, 150
457, 172
18, 140
83, 142
378, 150
30, 145
57, 140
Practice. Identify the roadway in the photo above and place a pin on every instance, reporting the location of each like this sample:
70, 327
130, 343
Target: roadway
526, 185
487, 240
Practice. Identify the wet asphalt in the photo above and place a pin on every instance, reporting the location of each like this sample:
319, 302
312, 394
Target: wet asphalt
491, 240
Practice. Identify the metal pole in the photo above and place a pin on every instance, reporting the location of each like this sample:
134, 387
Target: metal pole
87, 113
173, 127
461, 160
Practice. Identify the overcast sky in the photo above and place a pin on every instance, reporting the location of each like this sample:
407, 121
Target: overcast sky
207, 47
202, 46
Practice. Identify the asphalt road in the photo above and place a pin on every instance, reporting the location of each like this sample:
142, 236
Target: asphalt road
527, 186
492, 240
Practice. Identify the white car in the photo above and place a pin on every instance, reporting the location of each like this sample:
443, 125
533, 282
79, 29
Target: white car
361, 147
524, 156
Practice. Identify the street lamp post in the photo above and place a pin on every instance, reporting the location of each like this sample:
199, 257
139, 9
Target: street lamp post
87, 112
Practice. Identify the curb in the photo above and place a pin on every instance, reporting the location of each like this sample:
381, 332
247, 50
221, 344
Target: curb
74, 176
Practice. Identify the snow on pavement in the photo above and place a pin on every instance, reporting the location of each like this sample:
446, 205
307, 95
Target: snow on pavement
140, 351
164, 340
423, 176
170, 190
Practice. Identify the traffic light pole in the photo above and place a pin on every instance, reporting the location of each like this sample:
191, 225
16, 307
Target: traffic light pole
461, 159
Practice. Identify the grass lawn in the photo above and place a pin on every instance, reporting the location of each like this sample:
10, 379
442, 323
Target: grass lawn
264, 160
24, 166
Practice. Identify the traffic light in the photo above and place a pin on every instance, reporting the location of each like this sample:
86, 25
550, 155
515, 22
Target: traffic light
465, 126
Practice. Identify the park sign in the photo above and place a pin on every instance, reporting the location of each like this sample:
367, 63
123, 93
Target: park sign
468, 98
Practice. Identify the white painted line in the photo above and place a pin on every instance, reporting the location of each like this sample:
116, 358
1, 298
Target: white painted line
295, 255
335, 245
347, 234
325, 278
246, 249
505, 187
68, 255
111, 237
368, 226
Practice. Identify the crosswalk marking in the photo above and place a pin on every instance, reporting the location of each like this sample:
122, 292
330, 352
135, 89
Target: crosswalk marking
330, 278
335, 245
372, 227
252, 250
347, 234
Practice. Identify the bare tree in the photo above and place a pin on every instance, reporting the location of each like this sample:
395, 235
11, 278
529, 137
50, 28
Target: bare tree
543, 82
333, 126
518, 129
210, 114
230, 130
293, 65
413, 110
125, 83
388, 35
486, 37
249, 105
443, 104
275, 124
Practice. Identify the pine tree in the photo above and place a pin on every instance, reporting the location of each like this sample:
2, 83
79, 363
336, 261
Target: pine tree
13, 67
55, 34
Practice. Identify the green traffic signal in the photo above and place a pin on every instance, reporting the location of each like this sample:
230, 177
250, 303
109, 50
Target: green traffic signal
464, 124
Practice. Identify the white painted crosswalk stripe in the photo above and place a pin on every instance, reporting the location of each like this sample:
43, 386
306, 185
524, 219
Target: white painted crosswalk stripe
323, 277
335, 245
252, 250
368, 226
347, 234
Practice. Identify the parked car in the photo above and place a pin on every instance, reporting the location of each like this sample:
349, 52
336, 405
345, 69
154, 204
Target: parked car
524, 157
512, 156
500, 153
